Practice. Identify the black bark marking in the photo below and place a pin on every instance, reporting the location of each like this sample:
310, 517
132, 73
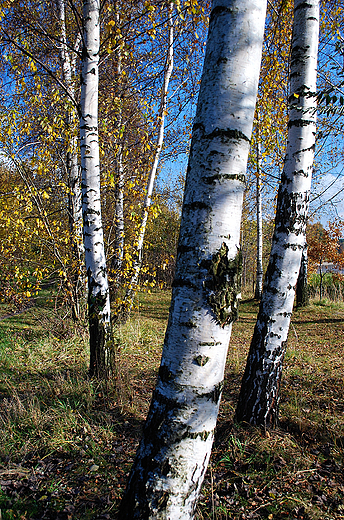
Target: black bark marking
310, 148
216, 393
209, 344
91, 211
292, 214
227, 133
180, 282
185, 249
211, 179
188, 324
217, 11
294, 247
302, 290
205, 264
304, 5
302, 173
300, 122
197, 205
200, 435
165, 374
302, 91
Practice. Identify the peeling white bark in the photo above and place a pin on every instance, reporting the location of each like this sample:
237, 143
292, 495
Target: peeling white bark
98, 290
259, 396
178, 435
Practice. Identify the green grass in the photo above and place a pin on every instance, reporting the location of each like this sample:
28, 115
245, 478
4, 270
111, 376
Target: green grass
67, 442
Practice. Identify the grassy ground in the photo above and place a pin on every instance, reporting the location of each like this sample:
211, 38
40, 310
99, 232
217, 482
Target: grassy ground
67, 443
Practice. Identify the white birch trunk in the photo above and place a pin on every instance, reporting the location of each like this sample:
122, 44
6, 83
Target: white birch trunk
72, 161
98, 289
117, 260
73, 170
259, 396
173, 456
152, 174
259, 273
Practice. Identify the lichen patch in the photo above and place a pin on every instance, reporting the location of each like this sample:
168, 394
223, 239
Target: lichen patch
224, 285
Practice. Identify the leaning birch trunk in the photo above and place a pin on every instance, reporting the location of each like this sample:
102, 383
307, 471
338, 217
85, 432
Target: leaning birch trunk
259, 395
131, 291
98, 290
73, 170
117, 259
173, 455
75, 228
259, 273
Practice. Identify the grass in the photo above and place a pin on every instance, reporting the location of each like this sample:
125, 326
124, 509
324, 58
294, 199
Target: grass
67, 443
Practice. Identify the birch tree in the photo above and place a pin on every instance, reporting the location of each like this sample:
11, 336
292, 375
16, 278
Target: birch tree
173, 455
259, 272
270, 136
153, 171
259, 395
98, 289
117, 259
68, 62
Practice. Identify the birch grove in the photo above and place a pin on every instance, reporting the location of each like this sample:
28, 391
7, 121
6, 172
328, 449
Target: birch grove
259, 395
173, 455
98, 289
